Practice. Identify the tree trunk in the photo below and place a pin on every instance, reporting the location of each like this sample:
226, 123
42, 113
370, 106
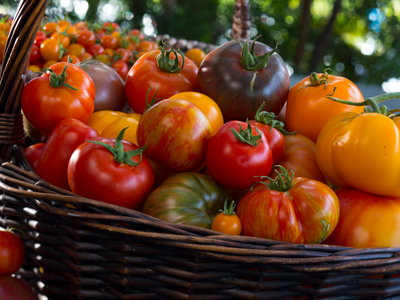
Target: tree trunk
322, 42
304, 28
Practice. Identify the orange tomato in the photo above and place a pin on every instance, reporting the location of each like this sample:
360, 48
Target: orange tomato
75, 59
207, 105
227, 221
50, 49
196, 55
308, 109
50, 27
61, 38
49, 63
76, 49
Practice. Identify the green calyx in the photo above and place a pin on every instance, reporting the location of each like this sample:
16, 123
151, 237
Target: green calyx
118, 151
250, 61
281, 183
57, 81
268, 118
371, 104
168, 64
228, 210
246, 136
152, 101
321, 80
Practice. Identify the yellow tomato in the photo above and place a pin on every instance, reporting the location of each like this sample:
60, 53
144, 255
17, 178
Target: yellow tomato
207, 105
361, 151
196, 55
33, 68
109, 124
49, 63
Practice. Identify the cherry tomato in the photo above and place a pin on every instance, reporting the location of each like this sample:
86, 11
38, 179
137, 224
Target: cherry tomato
196, 55
61, 38
50, 27
95, 49
32, 154
50, 49
76, 49
35, 54
73, 58
12, 253
121, 67
109, 41
227, 221
86, 38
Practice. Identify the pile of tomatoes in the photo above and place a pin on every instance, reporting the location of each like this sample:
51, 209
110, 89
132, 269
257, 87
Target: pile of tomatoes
222, 136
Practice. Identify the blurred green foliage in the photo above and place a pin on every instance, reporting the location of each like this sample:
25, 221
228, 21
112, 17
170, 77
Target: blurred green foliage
354, 38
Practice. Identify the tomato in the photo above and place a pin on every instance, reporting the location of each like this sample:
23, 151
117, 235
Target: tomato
239, 80
12, 253
64, 40
308, 109
124, 54
35, 54
237, 154
32, 154
176, 133
76, 49
207, 106
50, 63
169, 75
121, 67
300, 157
50, 49
273, 131
196, 55
110, 90
14, 288
86, 38
362, 151
296, 210
45, 106
188, 198
366, 220
109, 41
227, 221
146, 46
110, 123
39, 40
95, 49
50, 27
107, 174
64, 139
73, 59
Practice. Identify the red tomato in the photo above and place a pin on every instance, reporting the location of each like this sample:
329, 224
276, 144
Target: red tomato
12, 253
45, 106
181, 76
97, 173
366, 220
14, 288
32, 154
86, 38
64, 139
121, 68
176, 133
234, 162
96, 49
35, 54
109, 41
296, 210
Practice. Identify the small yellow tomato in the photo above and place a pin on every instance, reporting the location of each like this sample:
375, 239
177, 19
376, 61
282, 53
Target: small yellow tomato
227, 221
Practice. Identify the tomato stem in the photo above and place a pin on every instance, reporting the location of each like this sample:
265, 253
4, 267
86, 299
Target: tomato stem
118, 151
282, 182
153, 100
57, 81
228, 211
268, 118
371, 102
250, 61
246, 136
168, 64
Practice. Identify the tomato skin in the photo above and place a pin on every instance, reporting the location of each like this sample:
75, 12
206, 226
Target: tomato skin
234, 164
86, 38
366, 220
307, 213
187, 198
12, 253
361, 151
32, 154
275, 138
300, 157
121, 67
308, 109
65, 138
228, 224
50, 49
176, 133
45, 106
196, 55
222, 77
14, 288
207, 106
145, 73
93, 173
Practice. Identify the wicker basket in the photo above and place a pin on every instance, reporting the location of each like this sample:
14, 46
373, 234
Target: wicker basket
100, 251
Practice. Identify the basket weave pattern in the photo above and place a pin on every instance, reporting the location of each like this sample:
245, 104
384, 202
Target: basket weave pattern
80, 248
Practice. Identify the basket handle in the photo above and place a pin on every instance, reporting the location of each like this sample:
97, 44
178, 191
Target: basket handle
241, 20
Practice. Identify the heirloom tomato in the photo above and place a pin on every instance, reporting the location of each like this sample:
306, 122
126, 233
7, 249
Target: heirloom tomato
110, 170
227, 221
163, 69
300, 157
239, 79
64, 139
273, 131
176, 133
296, 210
236, 157
32, 154
207, 106
12, 253
308, 109
110, 123
64, 91
362, 151
188, 198
110, 92
366, 220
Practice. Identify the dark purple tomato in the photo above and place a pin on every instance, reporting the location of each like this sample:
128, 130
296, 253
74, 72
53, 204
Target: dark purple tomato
239, 86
